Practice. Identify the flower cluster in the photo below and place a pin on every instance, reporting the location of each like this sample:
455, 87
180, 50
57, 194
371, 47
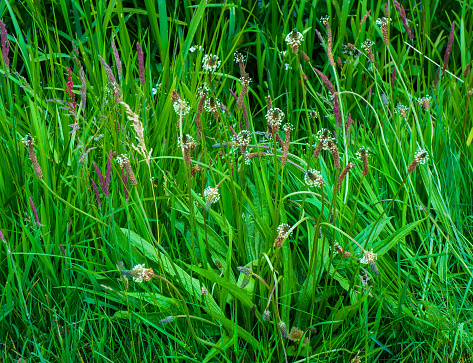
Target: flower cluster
350, 50
284, 230
139, 273
196, 47
187, 142
425, 102
294, 39
421, 156
313, 178
211, 196
122, 159
401, 110
181, 107
210, 63
274, 117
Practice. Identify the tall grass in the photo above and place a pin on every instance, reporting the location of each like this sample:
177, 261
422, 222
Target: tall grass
253, 258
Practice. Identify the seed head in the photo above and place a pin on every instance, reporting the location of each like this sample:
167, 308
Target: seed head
362, 154
332, 147
211, 196
294, 40
283, 329
313, 178
167, 320
401, 110
245, 270
274, 117
210, 63
139, 273
181, 106
203, 291
266, 315
240, 59
368, 257
425, 102
383, 23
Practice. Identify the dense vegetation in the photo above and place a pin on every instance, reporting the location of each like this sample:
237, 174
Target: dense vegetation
255, 181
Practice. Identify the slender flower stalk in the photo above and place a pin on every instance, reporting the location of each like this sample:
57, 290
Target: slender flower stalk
125, 163
141, 63
118, 61
97, 193
125, 183
448, 51
332, 147
35, 212
305, 56
337, 113
240, 60
326, 81
188, 144
29, 141
83, 88
402, 13
287, 138
325, 21
5, 45
342, 176
419, 158
322, 136
245, 81
362, 154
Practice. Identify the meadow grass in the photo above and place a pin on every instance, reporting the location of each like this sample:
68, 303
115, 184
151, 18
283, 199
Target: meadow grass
255, 181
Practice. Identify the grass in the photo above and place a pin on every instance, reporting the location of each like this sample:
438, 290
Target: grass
63, 297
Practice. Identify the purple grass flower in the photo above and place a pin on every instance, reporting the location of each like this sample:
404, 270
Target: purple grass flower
337, 113
35, 212
108, 174
99, 174
5, 45
85, 154
125, 182
319, 36
141, 63
449, 48
402, 13
97, 194
233, 131
75, 127
326, 81
118, 62
245, 114
108, 70
75, 55
63, 250
2, 237
83, 88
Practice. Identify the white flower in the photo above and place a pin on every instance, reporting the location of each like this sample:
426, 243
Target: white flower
284, 230
313, 178
284, 52
196, 47
122, 159
154, 90
181, 106
421, 156
140, 273
368, 257
287, 66
361, 151
211, 62
211, 196
294, 38
274, 117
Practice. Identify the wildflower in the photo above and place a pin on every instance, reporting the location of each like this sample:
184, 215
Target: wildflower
251, 156
338, 249
287, 66
313, 178
240, 60
211, 196
266, 315
287, 132
420, 158
283, 329
139, 273
196, 47
175, 96
181, 107
196, 169
321, 136
219, 265
188, 144
332, 147
383, 23
29, 141
241, 140
325, 21
362, 154
366, 288
35, 212
245, 81
313, 114
305, 56
342, 176
402, 13
167, 320
97, 193
326, 81
118, 62
283, 233
245, 282
203, 291
337, 112
369, 258
294, 39
367, 44
401, 110
154, 90
211, 105
210, 63
425, 102
125, 163
141, 63
274, 118
5, 45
